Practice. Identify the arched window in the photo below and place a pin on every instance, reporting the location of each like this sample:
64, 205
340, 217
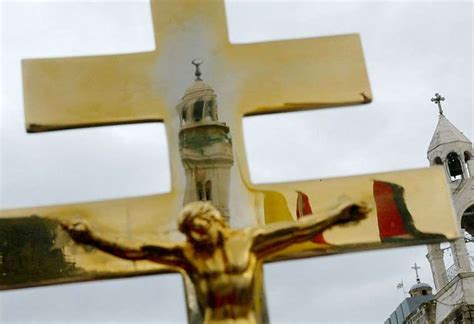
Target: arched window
214, 111
208, 190
200, 191
197, 110
467, 156
438, 161
454, 166
208, 110
183, 115
467, 220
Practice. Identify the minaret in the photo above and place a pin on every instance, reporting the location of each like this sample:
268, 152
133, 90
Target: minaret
451, 149
205, 146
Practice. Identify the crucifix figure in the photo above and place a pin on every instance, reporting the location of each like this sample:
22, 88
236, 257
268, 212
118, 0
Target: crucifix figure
207, 155
221, 262
437, 100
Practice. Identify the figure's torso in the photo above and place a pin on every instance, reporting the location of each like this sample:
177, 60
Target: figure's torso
225, 279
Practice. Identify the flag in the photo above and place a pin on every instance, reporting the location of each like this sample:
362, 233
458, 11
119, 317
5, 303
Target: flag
395, 221
303, 208
400, 285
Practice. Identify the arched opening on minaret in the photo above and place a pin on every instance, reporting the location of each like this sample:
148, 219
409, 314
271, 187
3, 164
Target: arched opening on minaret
183, 114
200, 191
208, 190
208, 111
438, 161
197, 110
454, 166
213, 109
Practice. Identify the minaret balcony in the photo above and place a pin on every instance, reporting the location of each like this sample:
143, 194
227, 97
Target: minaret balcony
203, 123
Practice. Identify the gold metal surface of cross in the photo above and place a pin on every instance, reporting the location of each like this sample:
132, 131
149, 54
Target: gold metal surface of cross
249, 79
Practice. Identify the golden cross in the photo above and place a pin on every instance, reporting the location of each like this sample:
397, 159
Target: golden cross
249, 79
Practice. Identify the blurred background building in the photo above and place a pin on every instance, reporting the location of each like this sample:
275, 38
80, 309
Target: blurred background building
451, 263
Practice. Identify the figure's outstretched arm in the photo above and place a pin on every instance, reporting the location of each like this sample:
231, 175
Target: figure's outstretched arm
170, 255
275, 237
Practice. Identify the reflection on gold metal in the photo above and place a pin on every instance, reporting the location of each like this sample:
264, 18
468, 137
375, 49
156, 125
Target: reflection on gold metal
221, 262
205, 146
26, 232
263, 77
207, 157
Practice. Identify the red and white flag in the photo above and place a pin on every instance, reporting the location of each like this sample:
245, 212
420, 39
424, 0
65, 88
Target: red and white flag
303, 208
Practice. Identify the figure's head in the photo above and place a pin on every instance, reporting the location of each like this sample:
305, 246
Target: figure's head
201, 222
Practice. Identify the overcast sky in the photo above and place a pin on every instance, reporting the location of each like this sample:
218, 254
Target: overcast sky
412, 50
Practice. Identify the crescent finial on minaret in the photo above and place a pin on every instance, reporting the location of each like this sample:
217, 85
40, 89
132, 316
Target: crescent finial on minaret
197, 73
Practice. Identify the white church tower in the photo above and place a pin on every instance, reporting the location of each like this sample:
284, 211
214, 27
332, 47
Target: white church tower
451, 149
205, 146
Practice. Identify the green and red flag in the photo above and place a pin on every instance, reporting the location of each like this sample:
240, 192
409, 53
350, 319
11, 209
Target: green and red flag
394, 219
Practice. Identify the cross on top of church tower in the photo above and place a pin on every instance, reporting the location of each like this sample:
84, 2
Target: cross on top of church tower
415, 267
437, 100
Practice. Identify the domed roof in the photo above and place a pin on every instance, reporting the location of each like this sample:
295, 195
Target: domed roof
420, 289
420, 285
446, 132
199, 87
